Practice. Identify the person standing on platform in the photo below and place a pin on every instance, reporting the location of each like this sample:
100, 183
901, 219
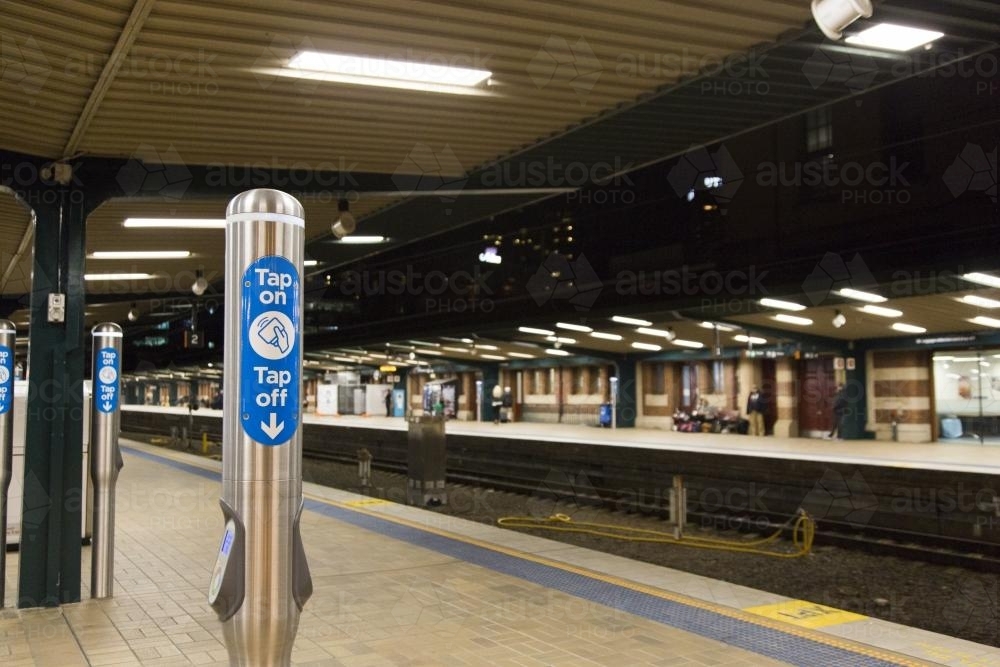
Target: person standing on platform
839, 410
497, 403
756, 407
507, 403
388, 402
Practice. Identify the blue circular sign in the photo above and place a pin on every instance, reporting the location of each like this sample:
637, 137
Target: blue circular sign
6, 378
270, 350
107, 372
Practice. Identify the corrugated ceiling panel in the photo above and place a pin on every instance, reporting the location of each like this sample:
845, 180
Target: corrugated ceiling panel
219, 102
53, 52
14, 222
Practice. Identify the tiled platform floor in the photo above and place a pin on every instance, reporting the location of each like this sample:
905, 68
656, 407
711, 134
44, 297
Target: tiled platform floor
380, 600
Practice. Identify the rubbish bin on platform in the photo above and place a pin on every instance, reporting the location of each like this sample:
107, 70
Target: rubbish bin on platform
604, 416
425, 484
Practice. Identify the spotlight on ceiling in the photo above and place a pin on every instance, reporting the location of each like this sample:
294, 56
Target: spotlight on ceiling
839, 320
200, 284
833, 16
345, 223
133, 314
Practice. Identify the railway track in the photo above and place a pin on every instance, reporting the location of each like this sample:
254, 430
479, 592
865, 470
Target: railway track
885, 541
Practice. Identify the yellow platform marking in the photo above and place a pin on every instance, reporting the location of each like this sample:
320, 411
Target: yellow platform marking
805, 614
367, 502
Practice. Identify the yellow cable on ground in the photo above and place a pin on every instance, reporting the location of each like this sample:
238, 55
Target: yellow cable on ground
802, 525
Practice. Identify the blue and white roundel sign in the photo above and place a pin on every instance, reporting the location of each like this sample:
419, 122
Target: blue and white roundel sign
106, 387
269, 353
6, 378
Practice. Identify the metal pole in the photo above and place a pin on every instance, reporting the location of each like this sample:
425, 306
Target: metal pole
261, 579
105, 455
479, 400
8, 334
613, 382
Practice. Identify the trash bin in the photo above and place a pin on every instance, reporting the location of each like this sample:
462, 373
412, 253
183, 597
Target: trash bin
425, 484
604, 417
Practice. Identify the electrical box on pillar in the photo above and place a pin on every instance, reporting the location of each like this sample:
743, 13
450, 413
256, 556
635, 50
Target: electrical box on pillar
261, 579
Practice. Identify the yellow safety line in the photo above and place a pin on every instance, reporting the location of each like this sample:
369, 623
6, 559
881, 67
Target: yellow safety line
729, 612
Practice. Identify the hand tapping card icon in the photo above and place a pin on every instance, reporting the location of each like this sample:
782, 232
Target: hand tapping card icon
273, 333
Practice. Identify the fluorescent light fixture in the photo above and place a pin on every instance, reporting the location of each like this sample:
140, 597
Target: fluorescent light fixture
140, 254
310, 262
661, 333
982, 279
533, 330
986, 321
560, 339
426, 351
359, 240
520, 355
782, 305
423, 342
689, 343
456, 349
493, 357
374, 70
487, 347
556, 353
647, 346
605, 336
881, 311
716, 325
175, 223
894, 37
743, 338
793, 319
981, 301
117, 276
573, 327
908, 328
851, 293
632, 321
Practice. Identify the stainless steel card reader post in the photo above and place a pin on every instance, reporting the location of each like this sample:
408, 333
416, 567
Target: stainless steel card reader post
105, 454
261, 578
8, 336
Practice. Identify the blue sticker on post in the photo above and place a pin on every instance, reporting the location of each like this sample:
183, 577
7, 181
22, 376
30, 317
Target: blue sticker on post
6, 378
106, 387
269, 353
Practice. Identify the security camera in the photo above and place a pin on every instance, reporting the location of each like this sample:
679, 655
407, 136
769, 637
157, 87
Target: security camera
839, 320
200, 284
833, 16
345, 223
133, 314
671, 334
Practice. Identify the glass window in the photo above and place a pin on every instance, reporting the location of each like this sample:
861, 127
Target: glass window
967, 395
819, 129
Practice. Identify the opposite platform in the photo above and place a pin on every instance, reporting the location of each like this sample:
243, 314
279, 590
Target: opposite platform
402, 586
922, 456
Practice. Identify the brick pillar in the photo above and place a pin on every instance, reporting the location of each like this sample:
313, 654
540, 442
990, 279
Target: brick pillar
787, 425
467, 400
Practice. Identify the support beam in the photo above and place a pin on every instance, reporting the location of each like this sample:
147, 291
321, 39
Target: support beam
128, 35
53, 457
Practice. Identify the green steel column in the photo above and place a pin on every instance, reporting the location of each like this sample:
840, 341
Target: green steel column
856, 383
53, 456
627, 393
491, 378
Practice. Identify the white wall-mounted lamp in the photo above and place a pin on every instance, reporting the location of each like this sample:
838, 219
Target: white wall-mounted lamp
833, 16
